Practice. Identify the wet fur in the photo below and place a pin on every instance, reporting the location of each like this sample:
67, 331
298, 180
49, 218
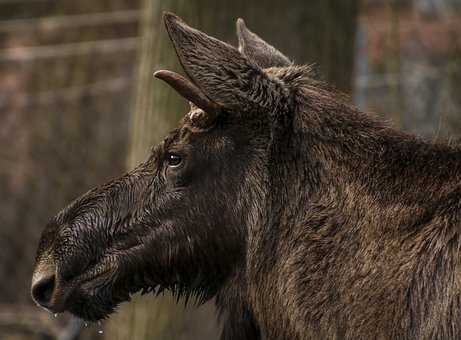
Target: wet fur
308, 218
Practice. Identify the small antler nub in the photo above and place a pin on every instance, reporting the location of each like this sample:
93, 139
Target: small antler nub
189, 91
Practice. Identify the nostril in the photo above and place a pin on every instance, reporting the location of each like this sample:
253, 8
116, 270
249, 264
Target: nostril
42, 290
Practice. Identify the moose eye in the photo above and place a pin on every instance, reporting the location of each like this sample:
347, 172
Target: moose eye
174, 160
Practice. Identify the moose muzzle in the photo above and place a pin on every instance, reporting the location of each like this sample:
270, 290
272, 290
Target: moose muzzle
44, 288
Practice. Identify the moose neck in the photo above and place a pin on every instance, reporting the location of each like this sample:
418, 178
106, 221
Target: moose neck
338, 156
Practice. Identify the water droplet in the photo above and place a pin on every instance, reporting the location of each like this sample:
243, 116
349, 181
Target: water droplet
100, 331
55, 315
86, 324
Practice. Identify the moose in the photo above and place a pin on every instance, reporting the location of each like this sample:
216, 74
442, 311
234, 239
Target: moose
302, 217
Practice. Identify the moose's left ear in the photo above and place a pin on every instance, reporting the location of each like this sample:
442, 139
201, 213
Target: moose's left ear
223, 74
257, 50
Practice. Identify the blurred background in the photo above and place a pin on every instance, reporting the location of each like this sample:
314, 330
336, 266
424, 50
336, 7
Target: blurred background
79, 105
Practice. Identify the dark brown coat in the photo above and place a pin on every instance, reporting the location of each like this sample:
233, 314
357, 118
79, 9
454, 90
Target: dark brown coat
304, 217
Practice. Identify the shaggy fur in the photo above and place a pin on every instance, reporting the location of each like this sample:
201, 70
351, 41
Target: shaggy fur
304, 217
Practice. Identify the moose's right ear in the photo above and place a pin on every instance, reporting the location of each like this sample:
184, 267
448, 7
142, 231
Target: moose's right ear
222, 73
257, 50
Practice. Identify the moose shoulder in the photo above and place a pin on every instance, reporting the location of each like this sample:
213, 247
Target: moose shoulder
303, 217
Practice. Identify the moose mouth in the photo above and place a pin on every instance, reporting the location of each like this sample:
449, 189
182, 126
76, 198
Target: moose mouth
91, 296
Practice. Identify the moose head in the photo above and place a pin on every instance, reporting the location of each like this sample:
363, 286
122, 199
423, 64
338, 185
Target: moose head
180, 219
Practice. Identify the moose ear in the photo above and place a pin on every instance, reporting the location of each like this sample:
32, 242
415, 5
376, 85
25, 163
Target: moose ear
257, 50
222, 73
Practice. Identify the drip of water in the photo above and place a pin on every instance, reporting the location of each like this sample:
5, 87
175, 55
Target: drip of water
100, 331
55, 315
85, 324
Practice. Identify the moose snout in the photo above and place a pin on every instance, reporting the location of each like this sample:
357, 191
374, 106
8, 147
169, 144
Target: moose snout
44, 285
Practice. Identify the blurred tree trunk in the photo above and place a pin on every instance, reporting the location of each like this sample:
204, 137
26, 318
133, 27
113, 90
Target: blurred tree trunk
453, 124
155, 110
393, 60
320, 31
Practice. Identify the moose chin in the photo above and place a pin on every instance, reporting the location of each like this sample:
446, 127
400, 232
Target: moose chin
302, 217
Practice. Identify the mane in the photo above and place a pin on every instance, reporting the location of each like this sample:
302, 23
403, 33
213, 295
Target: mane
361, 153
322, 97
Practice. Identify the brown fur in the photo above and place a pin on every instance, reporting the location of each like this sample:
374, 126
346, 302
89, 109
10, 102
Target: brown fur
304, 217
